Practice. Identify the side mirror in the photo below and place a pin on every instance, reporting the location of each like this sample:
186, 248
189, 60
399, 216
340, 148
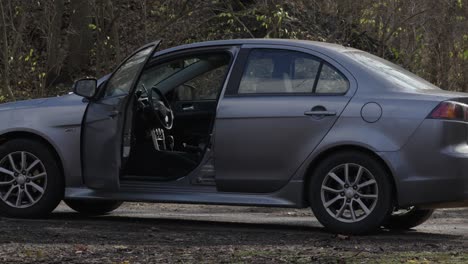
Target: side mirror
86, 87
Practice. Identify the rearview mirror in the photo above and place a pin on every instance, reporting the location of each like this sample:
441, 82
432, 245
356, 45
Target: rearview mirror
85, 87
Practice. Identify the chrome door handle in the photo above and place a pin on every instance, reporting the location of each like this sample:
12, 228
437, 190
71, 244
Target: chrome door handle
320, 113
188, 108
114, 113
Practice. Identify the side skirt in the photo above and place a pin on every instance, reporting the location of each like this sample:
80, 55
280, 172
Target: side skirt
288, 196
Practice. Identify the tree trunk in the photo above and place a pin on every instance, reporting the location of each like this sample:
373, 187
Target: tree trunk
80, 40
54, 60
6, 68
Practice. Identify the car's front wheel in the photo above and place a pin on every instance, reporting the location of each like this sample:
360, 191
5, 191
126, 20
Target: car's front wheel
31, 183
350, 193
93, 207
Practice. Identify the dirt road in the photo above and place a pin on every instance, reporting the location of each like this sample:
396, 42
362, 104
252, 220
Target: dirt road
165, 233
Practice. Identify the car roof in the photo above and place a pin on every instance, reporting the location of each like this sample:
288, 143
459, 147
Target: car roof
315, 45
322, 47
369, 83
337, 52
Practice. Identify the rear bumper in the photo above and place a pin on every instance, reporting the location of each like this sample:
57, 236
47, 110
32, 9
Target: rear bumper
431, 170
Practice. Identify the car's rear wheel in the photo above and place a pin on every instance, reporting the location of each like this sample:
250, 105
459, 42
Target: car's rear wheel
31, 183
408, 218
350, 193
93, 207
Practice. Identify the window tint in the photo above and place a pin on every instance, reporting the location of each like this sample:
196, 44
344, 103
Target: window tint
211, 82
331, 81
279, 71
121, 82
305, 72
282, 71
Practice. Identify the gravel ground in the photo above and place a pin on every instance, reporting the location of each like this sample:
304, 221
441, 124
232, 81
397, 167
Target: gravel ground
168, 233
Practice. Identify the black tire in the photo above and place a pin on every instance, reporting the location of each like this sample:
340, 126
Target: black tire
93, 207
382, 206
408, 220
54, 189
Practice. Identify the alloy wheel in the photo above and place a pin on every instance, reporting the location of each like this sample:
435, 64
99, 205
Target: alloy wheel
23, 179
349, 192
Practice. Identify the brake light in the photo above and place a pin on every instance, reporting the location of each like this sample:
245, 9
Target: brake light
450, 110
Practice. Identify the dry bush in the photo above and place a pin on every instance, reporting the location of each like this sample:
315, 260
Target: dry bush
46, 44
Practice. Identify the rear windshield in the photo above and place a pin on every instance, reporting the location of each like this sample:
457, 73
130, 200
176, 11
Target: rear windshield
392, 72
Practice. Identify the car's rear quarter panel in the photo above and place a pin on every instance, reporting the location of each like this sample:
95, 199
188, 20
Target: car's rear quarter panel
402, 113
433, 166
399, 120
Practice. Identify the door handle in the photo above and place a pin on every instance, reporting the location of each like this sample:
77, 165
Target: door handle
188, 108
320, 113
114, 113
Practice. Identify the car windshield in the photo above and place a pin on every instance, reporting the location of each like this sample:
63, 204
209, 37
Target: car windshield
392, 72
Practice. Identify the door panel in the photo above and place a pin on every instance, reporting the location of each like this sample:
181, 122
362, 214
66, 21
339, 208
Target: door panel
102, 128
272, 116
101, 154
261, 141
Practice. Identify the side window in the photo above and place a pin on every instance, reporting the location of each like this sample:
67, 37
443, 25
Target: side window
279, 71
159, 73
195, 77
273, 71
331, 81
122, 80
206, 86
305, 72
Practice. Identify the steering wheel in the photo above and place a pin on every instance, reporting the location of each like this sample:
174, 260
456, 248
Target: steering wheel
161, 108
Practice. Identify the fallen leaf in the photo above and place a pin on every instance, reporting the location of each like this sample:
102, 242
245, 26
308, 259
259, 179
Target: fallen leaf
121, 247
342, 237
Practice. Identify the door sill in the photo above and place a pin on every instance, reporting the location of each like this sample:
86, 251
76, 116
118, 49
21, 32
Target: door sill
179, 194
164, 186
133, 178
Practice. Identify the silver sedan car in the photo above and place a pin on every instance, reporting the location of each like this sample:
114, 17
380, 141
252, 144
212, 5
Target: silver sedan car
261, 122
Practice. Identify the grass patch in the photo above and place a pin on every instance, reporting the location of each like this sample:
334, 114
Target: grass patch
328, 256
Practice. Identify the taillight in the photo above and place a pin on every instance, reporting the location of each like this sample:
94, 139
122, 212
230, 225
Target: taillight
450, 110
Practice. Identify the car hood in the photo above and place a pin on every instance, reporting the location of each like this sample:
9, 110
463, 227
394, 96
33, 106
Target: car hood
69, 99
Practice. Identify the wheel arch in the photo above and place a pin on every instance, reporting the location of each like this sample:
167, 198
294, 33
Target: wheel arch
10, 135
341, 148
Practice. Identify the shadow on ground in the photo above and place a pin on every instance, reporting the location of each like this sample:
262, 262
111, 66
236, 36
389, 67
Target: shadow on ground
139, 232
69, 227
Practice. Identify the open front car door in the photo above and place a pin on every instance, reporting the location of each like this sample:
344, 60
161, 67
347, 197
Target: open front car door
103, 122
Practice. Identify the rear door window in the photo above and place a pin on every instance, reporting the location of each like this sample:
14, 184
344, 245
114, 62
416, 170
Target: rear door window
276, 71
